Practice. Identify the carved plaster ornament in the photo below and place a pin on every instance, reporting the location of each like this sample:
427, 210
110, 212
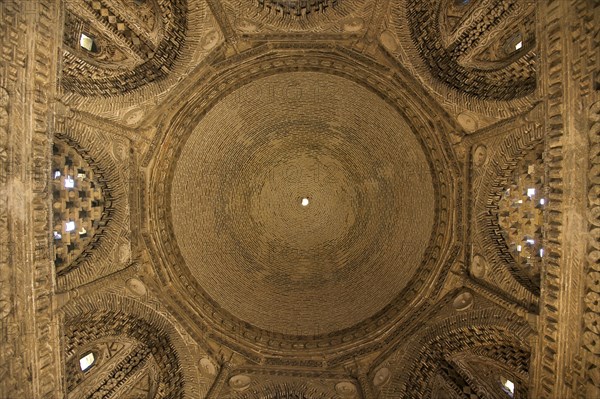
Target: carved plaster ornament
3, 117
592, 322
134, 116
3, 97
591, 342
480, 155
353, 25
207, 366
463, 301
382, 377
468, 122
346, 389
478, 266
246, 25
240, 382
124, 253
389, 41
5, 308
136, 287
210, 40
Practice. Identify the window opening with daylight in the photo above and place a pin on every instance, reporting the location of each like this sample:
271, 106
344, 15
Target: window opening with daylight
520, 214
86, 42
78, 204
87, 361
507, 386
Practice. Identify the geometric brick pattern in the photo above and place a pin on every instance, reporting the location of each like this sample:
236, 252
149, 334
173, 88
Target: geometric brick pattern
104, 352
520, 214
498, 173
89, 330
296, 8
77, 198
135, 44
283, 391
445, 55
240, 224
463, 353
215, 149
376, 292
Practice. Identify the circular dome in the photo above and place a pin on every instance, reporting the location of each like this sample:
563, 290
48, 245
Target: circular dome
302, 203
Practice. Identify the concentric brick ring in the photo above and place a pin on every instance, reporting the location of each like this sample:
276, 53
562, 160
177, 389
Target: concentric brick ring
238, 218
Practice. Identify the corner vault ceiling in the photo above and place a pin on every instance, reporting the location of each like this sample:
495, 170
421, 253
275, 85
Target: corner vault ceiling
243, 232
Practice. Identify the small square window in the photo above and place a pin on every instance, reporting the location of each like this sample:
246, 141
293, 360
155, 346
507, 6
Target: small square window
70, 226
87, 42
519, 45
69, 182
87, 361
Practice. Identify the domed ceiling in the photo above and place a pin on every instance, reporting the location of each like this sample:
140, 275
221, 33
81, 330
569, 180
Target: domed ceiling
302, 208
337, 199
301, 211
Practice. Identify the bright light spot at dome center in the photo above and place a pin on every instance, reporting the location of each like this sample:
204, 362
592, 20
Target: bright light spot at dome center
305, 201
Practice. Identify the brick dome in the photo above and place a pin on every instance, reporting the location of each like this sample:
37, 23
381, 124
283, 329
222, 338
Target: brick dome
274, 260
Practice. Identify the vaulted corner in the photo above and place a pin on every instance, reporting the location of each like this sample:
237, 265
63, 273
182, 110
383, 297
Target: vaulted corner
110, 49
341, 199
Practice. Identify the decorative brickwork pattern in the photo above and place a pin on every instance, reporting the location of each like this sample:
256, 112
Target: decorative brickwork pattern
296, 8
29, 340
591, 316
135, 44
296, 340
490, 184
251, 233
91, 327
520, 214
303, 198
510, 82
108, 250
132, 342
266, 20
565, 367
78, 198
440, 349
